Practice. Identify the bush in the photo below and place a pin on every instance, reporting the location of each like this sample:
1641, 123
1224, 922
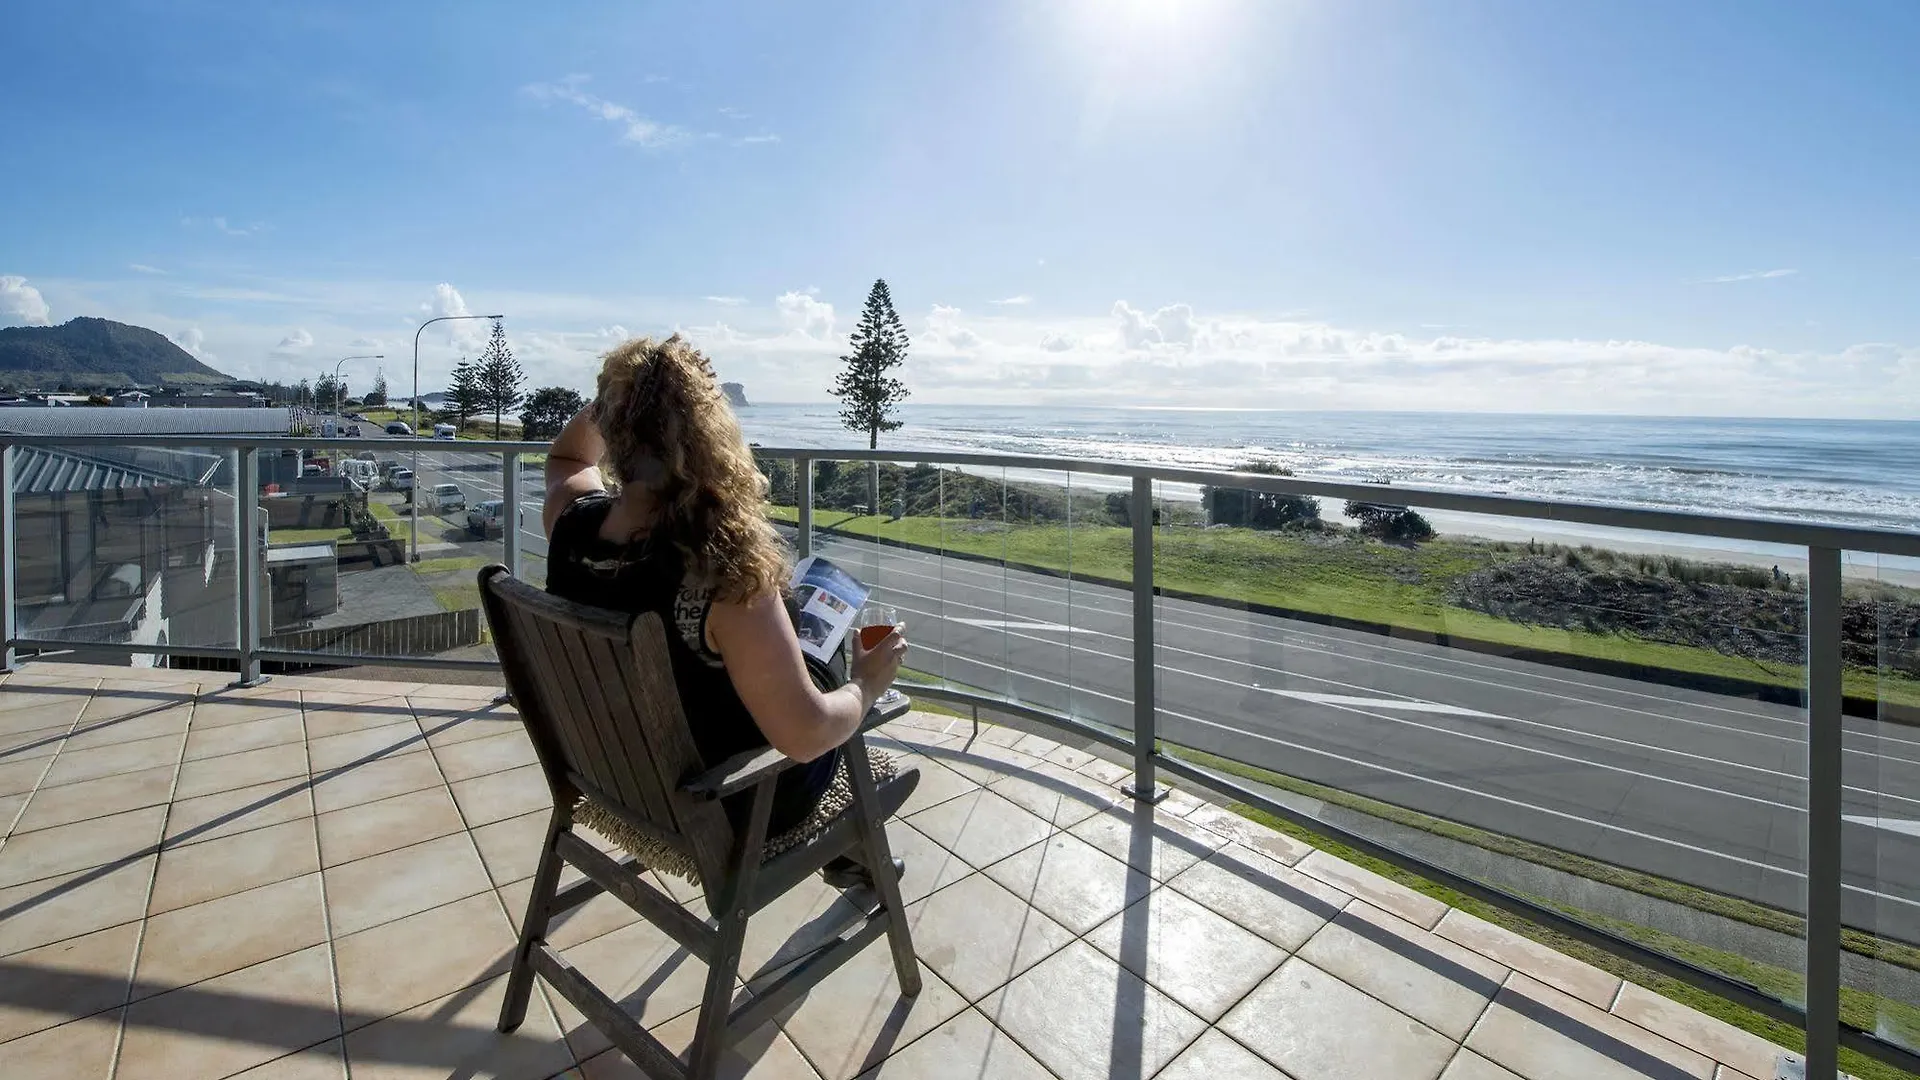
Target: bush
1396, 524
1258, 509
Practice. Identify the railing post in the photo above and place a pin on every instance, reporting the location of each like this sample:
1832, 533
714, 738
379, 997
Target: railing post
1145, 717
803, 502
510, 508
246, 554
1824, 764
9, 538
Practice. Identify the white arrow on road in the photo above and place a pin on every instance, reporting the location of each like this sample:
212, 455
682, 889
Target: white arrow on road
1899, 825
1401, 704
1011, 624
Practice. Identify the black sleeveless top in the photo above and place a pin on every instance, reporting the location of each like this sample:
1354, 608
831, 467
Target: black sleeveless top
641, 576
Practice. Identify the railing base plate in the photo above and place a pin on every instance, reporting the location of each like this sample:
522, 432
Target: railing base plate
1150, 795
248, 684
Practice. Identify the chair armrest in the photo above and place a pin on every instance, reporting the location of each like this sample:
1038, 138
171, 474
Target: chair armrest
882, 713
738, 773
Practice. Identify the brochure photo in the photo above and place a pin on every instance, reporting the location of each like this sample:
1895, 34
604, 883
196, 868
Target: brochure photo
828, 598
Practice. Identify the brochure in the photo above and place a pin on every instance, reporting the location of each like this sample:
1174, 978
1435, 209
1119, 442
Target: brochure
828, 598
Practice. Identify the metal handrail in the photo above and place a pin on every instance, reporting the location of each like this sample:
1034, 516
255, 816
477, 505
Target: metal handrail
1823, 543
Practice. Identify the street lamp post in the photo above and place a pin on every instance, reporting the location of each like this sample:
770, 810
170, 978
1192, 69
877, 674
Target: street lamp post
338, 397
413, 515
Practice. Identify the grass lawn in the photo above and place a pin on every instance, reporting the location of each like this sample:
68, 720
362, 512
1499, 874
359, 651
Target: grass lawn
1366, 581
306, 536
462, 562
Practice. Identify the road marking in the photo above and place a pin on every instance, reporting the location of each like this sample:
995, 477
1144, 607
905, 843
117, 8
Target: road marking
1385, 703
1899, 825
1009, 624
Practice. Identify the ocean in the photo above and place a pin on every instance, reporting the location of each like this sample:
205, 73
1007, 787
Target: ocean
1853, 472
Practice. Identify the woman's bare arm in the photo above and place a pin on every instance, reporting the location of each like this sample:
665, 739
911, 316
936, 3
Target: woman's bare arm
762, 654
573, 466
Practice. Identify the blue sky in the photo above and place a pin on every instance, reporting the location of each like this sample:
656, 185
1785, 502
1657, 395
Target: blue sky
1636, 207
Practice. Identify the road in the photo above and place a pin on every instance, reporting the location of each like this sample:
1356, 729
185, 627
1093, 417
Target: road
1693, 786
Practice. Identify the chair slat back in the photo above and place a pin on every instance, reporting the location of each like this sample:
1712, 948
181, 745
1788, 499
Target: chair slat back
596, 691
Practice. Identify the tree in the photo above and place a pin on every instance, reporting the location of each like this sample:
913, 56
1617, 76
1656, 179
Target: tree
867, 393
1395, 524
378, 395
547, 410
464, 394
499, 378
1258, 509
326, 392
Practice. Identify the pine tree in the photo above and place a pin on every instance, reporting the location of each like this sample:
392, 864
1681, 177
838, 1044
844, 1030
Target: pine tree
378, 395
499, 377
867, 393
463, 394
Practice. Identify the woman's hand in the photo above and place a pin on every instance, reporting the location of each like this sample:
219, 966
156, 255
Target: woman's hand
874, 669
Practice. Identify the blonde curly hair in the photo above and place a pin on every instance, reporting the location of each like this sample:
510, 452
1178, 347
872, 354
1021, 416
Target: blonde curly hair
668, 429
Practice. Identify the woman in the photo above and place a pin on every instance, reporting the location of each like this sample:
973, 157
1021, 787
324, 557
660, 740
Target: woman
684, 534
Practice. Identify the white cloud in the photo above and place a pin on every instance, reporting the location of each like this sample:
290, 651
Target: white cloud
1014, 301
732, 113
756, 140
803, 314
943, 325
725, 301
635, 127
194, 342
294, 343
143, 268
20, 303
1170, 325
1751, 275
1053, 342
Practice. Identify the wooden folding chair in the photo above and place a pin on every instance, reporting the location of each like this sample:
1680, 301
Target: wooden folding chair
596, 691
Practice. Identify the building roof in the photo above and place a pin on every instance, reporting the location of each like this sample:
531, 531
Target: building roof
40, 470
108, 421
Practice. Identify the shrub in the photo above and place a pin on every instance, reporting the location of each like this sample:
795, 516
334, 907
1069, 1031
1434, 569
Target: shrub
1258, 509
1398, 524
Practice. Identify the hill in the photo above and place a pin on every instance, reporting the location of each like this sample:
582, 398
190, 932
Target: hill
88, 352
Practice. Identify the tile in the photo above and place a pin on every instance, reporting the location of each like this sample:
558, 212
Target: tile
1717, 1039
36, 743
1311, 1024
1071, 882
1467, 1065
205, 871
81, 845
326, 721
766, 1054
208, 817
323, 1062
496, 796
1055, 795
1180, 803
231, 932
794, 924
1087, 1018
97, 798
976, 935
930, 867
132, 700
983, 762
1261, 895
1562, 972
856, 1016
1186, 952
10, 807
239, 738
93, 763
381, 888
982, 828
43, 911
234, 1022
1443, 985
966, 1047
937, 784
478, 757
230, 706
1148, 841
1535, 1030
643, 969
81, 1050
1420, 910
387, 825
601, 915
210, 776
1106, 772
1269, 842
511, 848
37, 713
368, 744
375, 780
1213, 1056
395, 966
448, 723
150, 723
1070, 757
76, 977
454, 1036
17, 777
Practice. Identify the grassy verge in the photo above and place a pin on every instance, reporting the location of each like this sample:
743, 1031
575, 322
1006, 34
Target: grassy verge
443, 566
1364, 581
306, 536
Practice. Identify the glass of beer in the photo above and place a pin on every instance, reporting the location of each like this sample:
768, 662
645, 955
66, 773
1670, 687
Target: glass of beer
875, 622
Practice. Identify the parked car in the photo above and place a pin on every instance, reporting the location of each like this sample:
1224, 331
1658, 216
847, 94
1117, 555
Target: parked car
447, 498
400, 479
353, 431
488, 519
399, 427
445, 431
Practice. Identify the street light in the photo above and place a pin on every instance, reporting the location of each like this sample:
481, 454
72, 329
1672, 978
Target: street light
413, 517
337, 395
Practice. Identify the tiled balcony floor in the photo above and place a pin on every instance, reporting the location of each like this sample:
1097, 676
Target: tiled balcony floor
321, 878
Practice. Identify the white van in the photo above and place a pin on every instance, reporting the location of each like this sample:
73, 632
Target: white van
363, 473
445, 431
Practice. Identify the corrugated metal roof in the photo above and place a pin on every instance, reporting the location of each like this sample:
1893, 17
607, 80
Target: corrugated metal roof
40, 471
110, 421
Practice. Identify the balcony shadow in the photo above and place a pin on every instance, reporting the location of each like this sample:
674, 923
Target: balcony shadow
102, 724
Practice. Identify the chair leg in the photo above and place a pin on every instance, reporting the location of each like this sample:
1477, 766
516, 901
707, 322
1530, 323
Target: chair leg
873, 844
710, 1027
533, 927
